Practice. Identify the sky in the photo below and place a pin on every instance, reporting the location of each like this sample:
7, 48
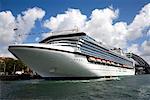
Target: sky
117, 23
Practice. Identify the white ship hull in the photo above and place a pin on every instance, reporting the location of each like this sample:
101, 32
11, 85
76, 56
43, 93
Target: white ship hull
53, 62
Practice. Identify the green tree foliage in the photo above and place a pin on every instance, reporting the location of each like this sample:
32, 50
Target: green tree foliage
12, 65
19, 65
2, 66
9, 65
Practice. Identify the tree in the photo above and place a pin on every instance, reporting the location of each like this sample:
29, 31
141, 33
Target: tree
2, 66
12, 65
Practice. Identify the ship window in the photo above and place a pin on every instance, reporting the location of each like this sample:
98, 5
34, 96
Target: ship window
75, 38
71, 40
67, 45
93, 53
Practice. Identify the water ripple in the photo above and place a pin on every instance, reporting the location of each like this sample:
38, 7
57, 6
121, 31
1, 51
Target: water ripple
127, 88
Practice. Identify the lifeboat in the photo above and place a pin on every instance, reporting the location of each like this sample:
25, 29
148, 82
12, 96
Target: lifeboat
112, 63
92, 59
108, 62
104, 61
98, 60
118, 65
125, 66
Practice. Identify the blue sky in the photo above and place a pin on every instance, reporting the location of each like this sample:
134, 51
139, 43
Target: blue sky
128, 19
128, 8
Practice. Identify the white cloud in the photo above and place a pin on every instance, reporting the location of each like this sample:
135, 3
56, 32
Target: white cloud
146, 48
70, 19
142, 50
134, 48
23, 22
140, 22
7, 24
101, 27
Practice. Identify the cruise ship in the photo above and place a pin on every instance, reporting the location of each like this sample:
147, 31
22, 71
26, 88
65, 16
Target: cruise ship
73, 55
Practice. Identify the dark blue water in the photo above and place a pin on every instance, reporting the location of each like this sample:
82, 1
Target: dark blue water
127, 88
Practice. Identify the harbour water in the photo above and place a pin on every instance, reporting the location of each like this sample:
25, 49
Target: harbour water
127, 88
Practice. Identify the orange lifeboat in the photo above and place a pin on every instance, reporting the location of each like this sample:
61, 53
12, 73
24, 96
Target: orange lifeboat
112, 63
108, 62
92, 59
125, 66
98, 60
104, 61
